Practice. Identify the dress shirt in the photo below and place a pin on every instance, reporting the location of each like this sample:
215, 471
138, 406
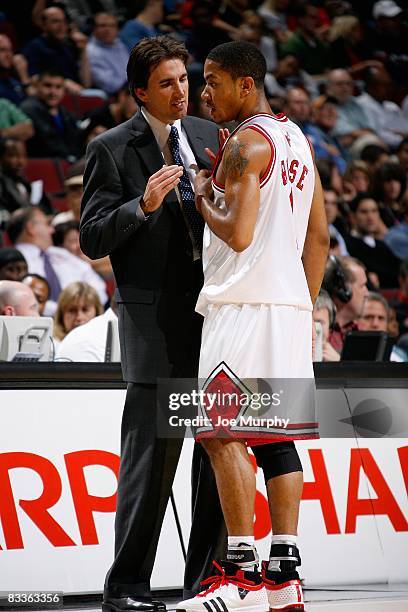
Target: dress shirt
108, 64
87, 342
134, 30
68, 268
351, 117
161, 132
387, 117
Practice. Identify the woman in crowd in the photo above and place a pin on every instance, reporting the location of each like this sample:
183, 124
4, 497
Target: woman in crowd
78, 303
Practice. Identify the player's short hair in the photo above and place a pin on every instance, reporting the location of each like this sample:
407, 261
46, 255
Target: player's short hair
147, 54
240, 59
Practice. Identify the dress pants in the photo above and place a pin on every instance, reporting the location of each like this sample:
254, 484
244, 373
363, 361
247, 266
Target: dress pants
147, 469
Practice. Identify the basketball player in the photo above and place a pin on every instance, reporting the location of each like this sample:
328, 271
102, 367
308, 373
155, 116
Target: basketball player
265, 248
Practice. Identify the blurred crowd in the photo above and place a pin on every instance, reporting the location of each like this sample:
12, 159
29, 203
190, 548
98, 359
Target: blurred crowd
336, 68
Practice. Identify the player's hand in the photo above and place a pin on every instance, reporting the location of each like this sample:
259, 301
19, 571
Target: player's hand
223, 134
158, 186
202, 187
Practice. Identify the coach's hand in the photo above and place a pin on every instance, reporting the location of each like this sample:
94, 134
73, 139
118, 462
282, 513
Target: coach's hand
158, 186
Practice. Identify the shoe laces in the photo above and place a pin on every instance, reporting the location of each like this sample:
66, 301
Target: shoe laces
214, 582
218, 580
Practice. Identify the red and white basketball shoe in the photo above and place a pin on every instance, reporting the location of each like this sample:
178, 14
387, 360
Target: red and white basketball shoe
285, 596
232, 589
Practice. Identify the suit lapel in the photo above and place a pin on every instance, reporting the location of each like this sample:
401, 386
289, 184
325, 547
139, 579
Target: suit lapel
145, 144
196, 142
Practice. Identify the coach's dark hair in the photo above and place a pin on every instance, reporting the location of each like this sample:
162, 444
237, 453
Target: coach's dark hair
147, 54
240, 59
18, 221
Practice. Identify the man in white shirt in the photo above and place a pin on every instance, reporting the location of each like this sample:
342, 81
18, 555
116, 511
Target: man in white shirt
30, 229
107, 54
87, 342
387, 116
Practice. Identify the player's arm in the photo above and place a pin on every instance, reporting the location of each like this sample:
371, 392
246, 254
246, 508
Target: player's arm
316, 245
245, 158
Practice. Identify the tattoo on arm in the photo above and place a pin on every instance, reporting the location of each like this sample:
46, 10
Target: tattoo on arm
235, 160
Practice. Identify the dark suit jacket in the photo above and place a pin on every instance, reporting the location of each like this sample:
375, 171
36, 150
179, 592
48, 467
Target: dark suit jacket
157, 279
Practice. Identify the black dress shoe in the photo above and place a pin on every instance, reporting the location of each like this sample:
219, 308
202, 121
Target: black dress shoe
123, 604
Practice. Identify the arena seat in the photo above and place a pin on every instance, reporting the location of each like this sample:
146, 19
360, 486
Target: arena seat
49, 170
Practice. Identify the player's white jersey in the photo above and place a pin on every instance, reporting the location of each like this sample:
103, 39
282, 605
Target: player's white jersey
270, 270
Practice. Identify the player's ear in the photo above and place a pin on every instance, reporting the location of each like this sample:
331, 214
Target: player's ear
247, 84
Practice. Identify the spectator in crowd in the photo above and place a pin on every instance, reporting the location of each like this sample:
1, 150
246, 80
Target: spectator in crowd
312, 52
122, 108
401, 154
274, 14
88, 342
288, 74
66, 236
13, 265
59, 52
389, 187
56, 132
356, 179
332, 213
81, 12
346, 42
375, 317
386, 37
15, 82
374, 155
204, 31
15, 191
324, 312
107, 54
387, 117
362, 244
40, 287
397, 236
320, 132
400, 301
73, 185
65, 224
352, 123
17, 300
77, 304
30, 230
14, 123
298, 107
144, 25
346, 282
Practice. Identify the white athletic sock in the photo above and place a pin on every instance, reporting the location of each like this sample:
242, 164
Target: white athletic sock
242, 543
236, 540
282, 538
